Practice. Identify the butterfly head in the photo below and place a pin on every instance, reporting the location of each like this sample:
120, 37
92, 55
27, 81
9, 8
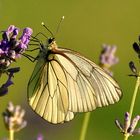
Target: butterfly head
50, 40
52, 44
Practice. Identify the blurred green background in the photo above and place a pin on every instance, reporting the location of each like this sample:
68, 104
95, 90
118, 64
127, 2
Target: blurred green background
87, 25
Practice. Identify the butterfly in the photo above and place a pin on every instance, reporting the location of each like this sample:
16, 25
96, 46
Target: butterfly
65, 82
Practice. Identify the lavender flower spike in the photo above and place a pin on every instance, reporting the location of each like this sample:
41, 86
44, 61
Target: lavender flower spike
133, 124
27, 31
40, 137
129, 128
15, 33
107, 57
25, 38
11, 47
126, 121
136, 47
10, 29
9, 82
14, 117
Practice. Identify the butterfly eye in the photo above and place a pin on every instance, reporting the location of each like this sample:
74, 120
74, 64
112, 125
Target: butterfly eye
50, 40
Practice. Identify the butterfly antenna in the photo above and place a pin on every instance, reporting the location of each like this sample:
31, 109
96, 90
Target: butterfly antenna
41, 34
47, 29
58, 27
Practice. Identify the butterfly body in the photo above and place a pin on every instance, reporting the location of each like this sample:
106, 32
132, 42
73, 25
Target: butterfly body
65, 82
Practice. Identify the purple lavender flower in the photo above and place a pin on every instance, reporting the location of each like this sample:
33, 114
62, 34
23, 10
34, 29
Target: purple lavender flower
128, 127
40, 137
107, 57
14, 117
4, 87
11, 48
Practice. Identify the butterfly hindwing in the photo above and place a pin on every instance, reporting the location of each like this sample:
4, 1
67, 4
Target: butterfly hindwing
96, 87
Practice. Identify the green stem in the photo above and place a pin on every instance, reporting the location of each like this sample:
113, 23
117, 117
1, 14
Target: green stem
85, 126
134, 96
133, 102
11, 134
126, 137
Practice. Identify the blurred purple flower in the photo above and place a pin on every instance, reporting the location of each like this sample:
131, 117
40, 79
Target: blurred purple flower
129, 127
11, 47
4, 87
14, 117
40, 137
108, 58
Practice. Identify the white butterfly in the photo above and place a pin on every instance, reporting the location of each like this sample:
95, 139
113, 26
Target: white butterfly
64, 82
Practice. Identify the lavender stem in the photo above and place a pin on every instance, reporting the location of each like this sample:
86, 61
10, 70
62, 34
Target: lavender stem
85, 126
11, 134
133, 102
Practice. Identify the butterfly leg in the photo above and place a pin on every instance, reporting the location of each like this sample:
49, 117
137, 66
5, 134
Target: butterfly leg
33, 49
31, 58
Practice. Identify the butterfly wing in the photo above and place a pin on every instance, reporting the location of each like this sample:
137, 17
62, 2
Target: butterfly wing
47, 94
67, 84
93, 86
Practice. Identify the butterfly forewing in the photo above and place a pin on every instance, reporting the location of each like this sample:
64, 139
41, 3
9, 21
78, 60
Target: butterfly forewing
69, 83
